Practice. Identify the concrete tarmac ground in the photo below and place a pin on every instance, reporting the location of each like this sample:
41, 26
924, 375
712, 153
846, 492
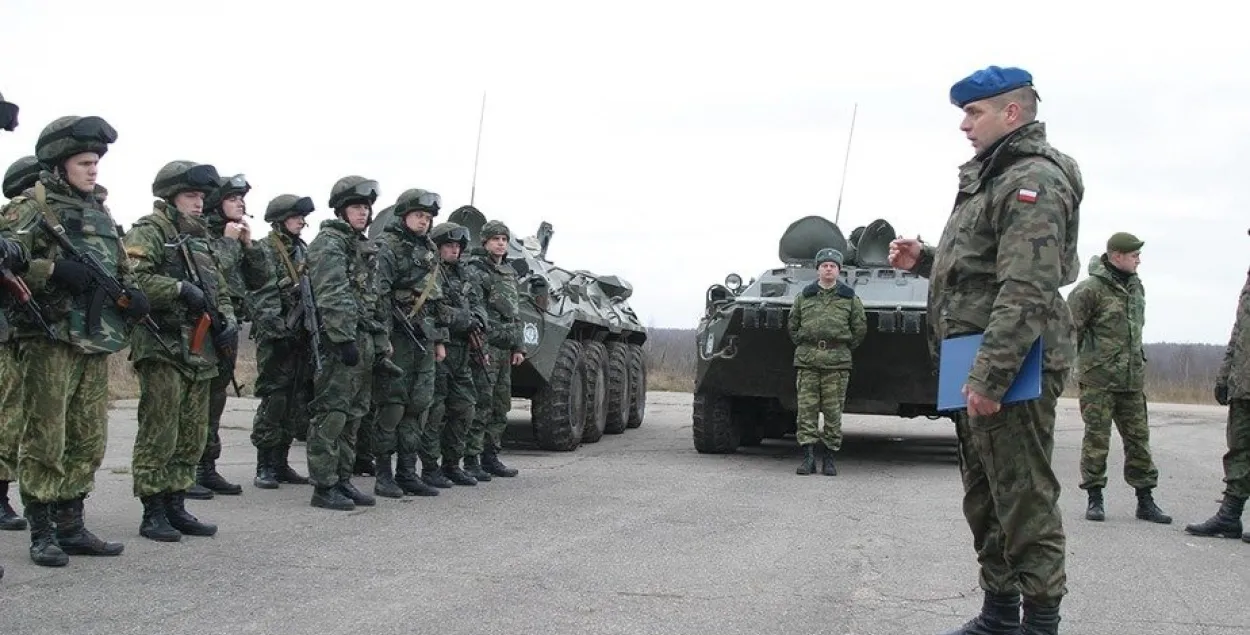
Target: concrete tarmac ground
639, 534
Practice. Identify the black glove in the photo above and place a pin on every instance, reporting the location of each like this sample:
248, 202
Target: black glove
227, 339
139, 305
12, 257
72, 275
1221, 394
193, 297
349, 353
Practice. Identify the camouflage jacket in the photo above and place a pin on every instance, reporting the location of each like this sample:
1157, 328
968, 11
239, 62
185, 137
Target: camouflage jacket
502, 301
160, 266
343, 267
90, 228
826, 325
229, 253
461, 308
1235, 370
1108, 316
1008, 247
408, 275
271, 271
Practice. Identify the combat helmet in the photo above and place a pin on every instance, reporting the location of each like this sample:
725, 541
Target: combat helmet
21, 175
494, 228
226, 187
417, 200
353, 189
70, 135
450, 232
8, 115
285, 206
184, 176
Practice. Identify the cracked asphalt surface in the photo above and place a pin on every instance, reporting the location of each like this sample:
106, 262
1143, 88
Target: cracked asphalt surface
639, 534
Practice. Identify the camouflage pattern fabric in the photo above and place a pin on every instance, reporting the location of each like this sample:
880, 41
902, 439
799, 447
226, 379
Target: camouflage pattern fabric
1108, 314
1237, 458
341, 400
173, 427
825, 326
501, 401
502, 301
11, 419
821, 391
1234, 376
1099, 408
414, 392
66, 405
217, 387
484, 380
1234, 372
229, 254
455, 396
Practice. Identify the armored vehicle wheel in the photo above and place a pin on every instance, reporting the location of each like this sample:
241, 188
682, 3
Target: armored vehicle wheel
595, 355
559, 408
618, 387
638, 386
713, 427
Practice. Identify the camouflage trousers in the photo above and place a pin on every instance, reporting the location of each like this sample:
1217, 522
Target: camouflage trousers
216, 407
497, 423
66, 405
341, 398
173, 428
403, 402
1011, 496
11, 419
284, 384
1128, 410
452, 411
1237, 459
484, 383
821, 391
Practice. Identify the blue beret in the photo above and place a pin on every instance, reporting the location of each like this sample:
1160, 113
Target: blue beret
987, 83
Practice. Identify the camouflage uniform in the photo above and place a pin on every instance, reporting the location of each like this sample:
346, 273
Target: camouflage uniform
65, 378
8, 121
501, 299
342, 268
273, 270
408, 281
1008, 247
454, 394
1232, 389
1108, 312
826, 325
174, 386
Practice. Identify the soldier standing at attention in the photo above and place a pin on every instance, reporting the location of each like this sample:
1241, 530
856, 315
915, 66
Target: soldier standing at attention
1108, 311
826, 323
65, 377
174, 266
1008, 247
1232, 389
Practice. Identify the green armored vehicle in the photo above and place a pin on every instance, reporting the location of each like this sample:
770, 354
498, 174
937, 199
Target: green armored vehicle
745, 378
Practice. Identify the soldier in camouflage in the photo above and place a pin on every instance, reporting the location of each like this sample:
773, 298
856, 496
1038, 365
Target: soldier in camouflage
501, 299
827, 323
1232, 389
192, 306
452, 411
1108, 312
224, 210
342, 268
408, 287
65, 376
1008, 247
273, 270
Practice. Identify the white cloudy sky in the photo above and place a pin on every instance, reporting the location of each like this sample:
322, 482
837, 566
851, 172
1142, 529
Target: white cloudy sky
668, 142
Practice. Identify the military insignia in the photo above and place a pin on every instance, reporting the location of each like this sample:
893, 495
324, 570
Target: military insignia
1026, 196
530, 333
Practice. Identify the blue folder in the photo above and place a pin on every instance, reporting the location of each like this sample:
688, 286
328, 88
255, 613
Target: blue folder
955, 363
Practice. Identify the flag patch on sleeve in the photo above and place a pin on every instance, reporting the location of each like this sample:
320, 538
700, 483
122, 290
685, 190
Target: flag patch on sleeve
1026, 196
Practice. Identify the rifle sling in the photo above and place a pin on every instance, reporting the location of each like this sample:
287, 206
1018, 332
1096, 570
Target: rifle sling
425, 293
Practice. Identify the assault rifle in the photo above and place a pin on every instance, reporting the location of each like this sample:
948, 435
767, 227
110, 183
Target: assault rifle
397, 316
21, 295
306, 314
211, 319
477, 342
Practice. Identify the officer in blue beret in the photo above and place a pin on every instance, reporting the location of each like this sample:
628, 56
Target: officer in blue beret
1009, 246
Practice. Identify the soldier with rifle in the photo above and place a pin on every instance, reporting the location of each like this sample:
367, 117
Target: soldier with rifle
174, 266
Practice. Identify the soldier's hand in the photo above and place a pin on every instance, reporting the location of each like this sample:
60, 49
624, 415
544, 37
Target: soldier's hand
12, 257
1221, 394
440, 352
192, 296
138, 306
72, 275
904, 253
518, 359
980, 405
349, 353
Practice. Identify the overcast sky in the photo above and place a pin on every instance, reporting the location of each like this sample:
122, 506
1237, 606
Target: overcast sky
668, 142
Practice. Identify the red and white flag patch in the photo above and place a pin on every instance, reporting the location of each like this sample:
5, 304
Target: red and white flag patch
1026, 196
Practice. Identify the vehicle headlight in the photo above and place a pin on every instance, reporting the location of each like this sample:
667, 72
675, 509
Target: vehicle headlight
733, 281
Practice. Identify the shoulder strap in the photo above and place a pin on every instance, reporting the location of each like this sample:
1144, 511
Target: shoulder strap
425, 293
41, 196
280, 247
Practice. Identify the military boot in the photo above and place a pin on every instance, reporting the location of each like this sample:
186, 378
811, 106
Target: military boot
1094, 510
182, 520
74, 537
282, 468
9, 518
155, 525
1148, 510
407, 479
451, 469
809, 461
473, 468
492, 464
266, 477
826, 463
331, 498
43, 548
434, 476
386, 485
1225, 523
199, 492
1040, 620
363, 465
206, 475
1000, 615
358, 497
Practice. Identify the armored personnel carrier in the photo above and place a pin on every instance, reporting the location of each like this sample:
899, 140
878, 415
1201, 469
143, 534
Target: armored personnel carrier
585, 375
745, 378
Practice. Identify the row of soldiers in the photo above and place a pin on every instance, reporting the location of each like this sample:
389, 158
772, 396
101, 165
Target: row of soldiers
408, 331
